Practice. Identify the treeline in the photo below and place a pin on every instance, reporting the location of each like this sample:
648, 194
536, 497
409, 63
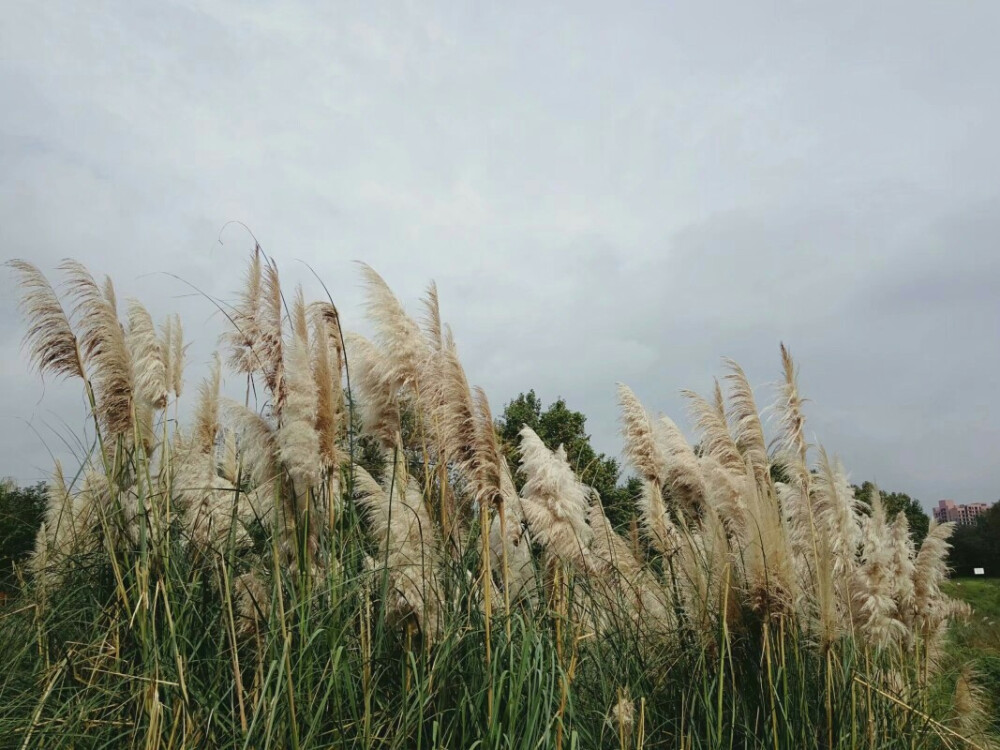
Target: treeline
22, 510
977, 546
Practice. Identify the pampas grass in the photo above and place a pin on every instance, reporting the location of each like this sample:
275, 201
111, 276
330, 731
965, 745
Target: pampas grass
409, 548
172, 346
874, 603
102, 341
656, 520
642, 449
327, 367
52, 346
269, 346
246, 579
397, 332
747, 430
148, 357
298, 441
380, 416
554, 501
711, 422
684, 479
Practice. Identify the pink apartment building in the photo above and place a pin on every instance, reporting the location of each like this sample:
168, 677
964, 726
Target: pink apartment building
963, 515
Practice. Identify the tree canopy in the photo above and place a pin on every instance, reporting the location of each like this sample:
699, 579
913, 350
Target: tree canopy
977, 546
21, 512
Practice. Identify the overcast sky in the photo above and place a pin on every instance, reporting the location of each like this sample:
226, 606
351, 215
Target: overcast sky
603, 192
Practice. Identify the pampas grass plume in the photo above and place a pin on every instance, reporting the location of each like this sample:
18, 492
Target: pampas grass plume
49, 339
554, 501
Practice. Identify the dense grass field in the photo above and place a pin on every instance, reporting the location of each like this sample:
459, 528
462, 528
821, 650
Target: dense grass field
984, 596
978, 639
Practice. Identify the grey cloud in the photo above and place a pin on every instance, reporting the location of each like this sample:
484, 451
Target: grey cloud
618, 193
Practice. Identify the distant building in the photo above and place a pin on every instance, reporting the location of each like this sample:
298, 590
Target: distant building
963, 515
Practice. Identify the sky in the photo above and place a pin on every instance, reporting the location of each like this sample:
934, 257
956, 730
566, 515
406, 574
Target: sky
616, 192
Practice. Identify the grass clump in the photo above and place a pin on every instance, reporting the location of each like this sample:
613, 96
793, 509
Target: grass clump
974, 643
343, 560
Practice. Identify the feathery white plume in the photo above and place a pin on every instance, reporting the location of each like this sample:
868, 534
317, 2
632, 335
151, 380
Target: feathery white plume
268, 347
554, 500
379, 402
298, 443
102, 342
206, 421
147, 356
683, 480
837, 516
244, 339
771, 569
901, 576
656, 520
642, 449
50, 340
70, 526
874, 605
724, 491
408, 545
178, 349
745, 420
208, 501
710, 421
627, 587
258, 442
253, 601
329, 396
399, 337
932, 608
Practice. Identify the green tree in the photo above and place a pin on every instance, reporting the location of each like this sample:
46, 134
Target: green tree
977, 546
898, 502
559, 425
21, 512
